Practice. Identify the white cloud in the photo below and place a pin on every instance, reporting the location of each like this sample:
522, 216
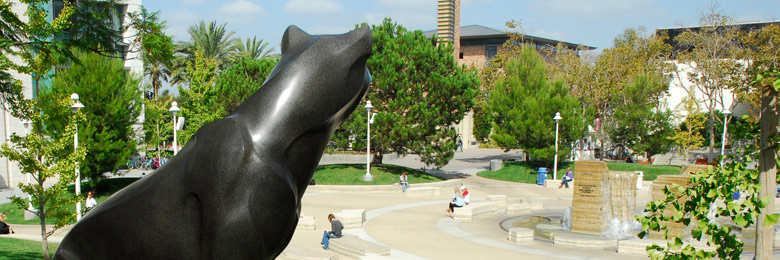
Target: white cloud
598, 9
179, 21
239, 12
309, 7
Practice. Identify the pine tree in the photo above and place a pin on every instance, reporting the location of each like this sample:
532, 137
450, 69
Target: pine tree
522, 104
419, 93
112, 103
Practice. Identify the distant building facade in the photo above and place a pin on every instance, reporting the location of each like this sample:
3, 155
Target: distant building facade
10, 174
680, 86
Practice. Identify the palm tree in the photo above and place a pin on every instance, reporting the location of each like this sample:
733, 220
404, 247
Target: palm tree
157, 72
253, 49
216, 43
214, 40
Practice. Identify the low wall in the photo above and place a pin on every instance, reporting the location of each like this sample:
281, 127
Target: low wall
381, 188
356, 158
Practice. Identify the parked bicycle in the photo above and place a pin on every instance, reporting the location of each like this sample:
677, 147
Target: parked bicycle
136, 162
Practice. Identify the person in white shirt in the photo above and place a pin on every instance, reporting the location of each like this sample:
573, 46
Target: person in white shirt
91, 202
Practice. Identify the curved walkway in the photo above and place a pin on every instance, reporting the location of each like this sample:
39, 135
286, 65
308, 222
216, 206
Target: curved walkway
419, 228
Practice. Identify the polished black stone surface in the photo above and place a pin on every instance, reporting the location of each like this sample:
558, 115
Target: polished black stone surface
234, 191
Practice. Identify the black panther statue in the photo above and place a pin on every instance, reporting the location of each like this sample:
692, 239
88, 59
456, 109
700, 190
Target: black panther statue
234, 191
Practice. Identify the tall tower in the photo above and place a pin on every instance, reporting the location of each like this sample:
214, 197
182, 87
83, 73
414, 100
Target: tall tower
448, 29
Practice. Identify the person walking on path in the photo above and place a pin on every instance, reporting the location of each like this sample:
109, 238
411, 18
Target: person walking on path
404, 181
335, 231
457, 202
460, 144
567, 178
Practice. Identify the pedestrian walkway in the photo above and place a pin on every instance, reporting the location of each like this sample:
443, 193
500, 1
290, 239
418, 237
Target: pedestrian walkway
419, 227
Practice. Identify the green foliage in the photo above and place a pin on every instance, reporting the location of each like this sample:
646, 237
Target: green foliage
199, 105
50, 162
112, 102
158, 124
696, 206
688, 135
240, 80
19, 249
482, 123
638, 103
522, 104
419, 93
384, 174
103, 188
156, 47
253, 49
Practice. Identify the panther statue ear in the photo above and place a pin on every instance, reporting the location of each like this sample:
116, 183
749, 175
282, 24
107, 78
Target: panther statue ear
293, 37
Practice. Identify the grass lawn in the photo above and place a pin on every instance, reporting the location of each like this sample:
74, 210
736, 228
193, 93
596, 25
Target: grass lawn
18, 249
384, 174
336, 174
525, 172
103, 188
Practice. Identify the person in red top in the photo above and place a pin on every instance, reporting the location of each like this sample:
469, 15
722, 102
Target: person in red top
465, 192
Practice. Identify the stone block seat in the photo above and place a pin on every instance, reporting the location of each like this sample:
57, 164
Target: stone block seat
351, 218
354, 247
475, 211
517, 208
306, 222
636, 246
522, 207
499, 200
520, 235
293, 252
585, 241
423, 191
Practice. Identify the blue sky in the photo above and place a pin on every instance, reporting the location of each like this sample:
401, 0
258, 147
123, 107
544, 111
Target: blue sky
590, 22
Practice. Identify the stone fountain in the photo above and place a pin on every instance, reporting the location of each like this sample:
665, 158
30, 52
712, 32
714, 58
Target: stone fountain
604, 201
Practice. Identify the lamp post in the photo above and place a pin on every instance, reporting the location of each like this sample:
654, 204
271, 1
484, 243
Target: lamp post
75, 109
368, 176
30, 207
174, 109
726, 114
555, 162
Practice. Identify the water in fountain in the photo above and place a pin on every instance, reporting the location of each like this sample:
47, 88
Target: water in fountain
566, 221
619, 211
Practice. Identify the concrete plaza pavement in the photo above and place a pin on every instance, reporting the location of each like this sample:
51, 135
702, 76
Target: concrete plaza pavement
419, 227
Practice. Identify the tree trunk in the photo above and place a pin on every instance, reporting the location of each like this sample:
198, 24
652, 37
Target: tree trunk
711, 128
42, 217
767, 169
379, 155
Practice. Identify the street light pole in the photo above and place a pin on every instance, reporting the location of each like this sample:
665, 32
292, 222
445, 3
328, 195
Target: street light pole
368, 176
174, 109
75, 109
30, 207
555, 162
726, 114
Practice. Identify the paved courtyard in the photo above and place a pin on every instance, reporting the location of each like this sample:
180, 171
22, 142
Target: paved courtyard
419, 227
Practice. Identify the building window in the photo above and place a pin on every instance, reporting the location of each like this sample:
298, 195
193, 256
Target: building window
460, 56
491, 51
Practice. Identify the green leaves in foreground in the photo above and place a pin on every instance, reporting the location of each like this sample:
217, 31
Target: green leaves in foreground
708, 198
